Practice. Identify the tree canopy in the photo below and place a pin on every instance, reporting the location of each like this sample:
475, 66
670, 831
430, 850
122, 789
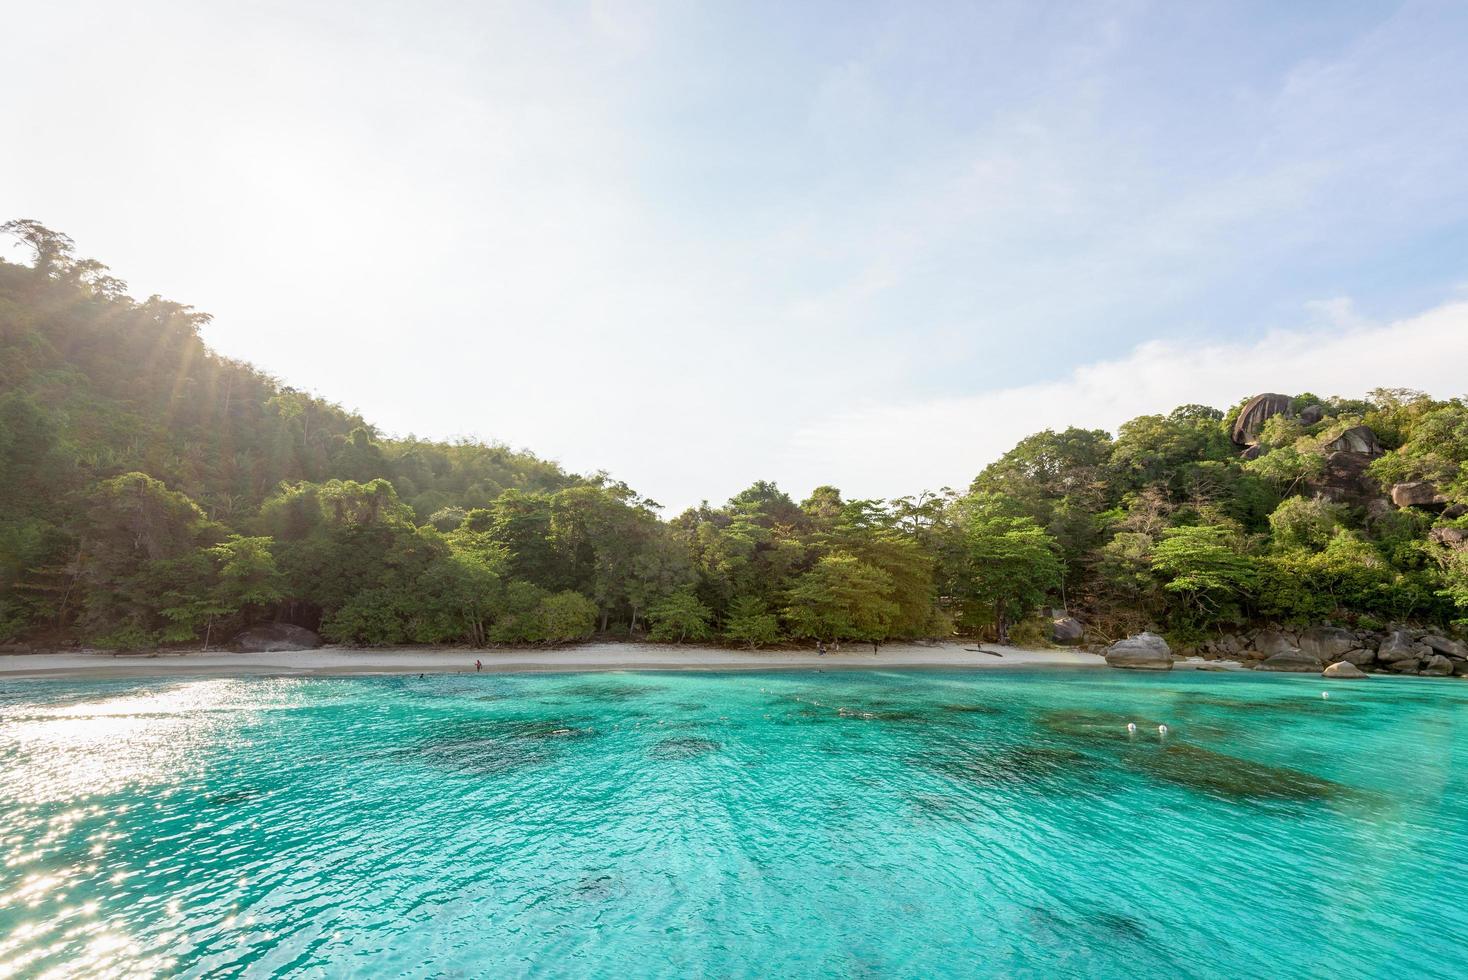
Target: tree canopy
153, 491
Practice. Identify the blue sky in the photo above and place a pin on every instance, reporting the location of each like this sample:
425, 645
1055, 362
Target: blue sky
699, 244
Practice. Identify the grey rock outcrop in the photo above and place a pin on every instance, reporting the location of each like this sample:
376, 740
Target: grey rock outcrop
1270, 643
1327, 643
1417, 493
1449, 537
275, 637
1399, 647
1067, 630
1145, 651
1357, 439
1293, 662
1311, 414
1437, 666
1445, 646
1229, 645
1344, 671
1344, 479
1257, 411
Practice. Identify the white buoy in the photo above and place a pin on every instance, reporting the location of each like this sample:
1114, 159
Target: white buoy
1131, 727
1325, 695
1161, 729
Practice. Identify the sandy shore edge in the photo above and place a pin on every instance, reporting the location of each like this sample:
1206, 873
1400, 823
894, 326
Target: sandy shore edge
588, 657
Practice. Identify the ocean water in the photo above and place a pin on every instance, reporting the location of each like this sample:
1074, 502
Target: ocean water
863, 824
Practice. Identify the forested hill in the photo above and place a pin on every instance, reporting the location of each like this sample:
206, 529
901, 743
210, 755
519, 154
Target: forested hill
152, 491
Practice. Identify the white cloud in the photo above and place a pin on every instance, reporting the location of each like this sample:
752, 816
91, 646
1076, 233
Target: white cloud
892, 449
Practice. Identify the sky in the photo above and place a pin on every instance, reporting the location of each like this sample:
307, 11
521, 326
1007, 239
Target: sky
699, 244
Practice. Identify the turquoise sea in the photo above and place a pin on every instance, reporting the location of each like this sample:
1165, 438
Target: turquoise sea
863, 824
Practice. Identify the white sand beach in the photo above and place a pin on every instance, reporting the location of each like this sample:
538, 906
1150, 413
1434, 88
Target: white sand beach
585, 657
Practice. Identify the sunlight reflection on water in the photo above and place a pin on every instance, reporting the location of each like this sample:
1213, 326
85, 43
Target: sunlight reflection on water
68, 753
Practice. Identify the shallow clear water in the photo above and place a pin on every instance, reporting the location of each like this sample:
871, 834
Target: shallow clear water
788, 824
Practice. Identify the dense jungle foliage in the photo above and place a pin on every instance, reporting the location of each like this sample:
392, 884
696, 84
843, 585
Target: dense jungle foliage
154, 492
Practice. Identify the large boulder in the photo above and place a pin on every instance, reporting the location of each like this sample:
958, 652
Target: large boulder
1327, 643
1448, 648
1345, 479
1145, 651
1344, 671
1292, 662
1229, 645
1357, 439
1399, 647
1311, 414
275, 637
1359, 657
1067, 630
1257, 411
1417, 493
1455, 538
1437, 666
1270, 642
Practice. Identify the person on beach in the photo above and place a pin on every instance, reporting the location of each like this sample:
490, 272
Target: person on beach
478, 666
820, 648
874, 647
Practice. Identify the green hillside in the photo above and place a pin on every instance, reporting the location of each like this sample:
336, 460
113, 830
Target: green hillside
152, 491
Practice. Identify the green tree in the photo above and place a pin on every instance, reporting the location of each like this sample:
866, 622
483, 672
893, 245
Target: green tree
842, 598
1158, 449
521, 616
1288, 467
749, 622
679, 617
1206, 568
1006, 566
1347, 576
136, 543
1435, 449
567, 616
1300, 522
459, 596
230, 581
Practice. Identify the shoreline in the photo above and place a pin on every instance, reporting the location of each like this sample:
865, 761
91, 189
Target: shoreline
591, 657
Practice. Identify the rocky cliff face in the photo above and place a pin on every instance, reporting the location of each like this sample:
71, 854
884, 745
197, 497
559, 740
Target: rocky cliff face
1257, 411
1358, 439
1345, 480
1347, 456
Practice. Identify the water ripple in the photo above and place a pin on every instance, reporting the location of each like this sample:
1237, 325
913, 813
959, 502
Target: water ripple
848, 824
